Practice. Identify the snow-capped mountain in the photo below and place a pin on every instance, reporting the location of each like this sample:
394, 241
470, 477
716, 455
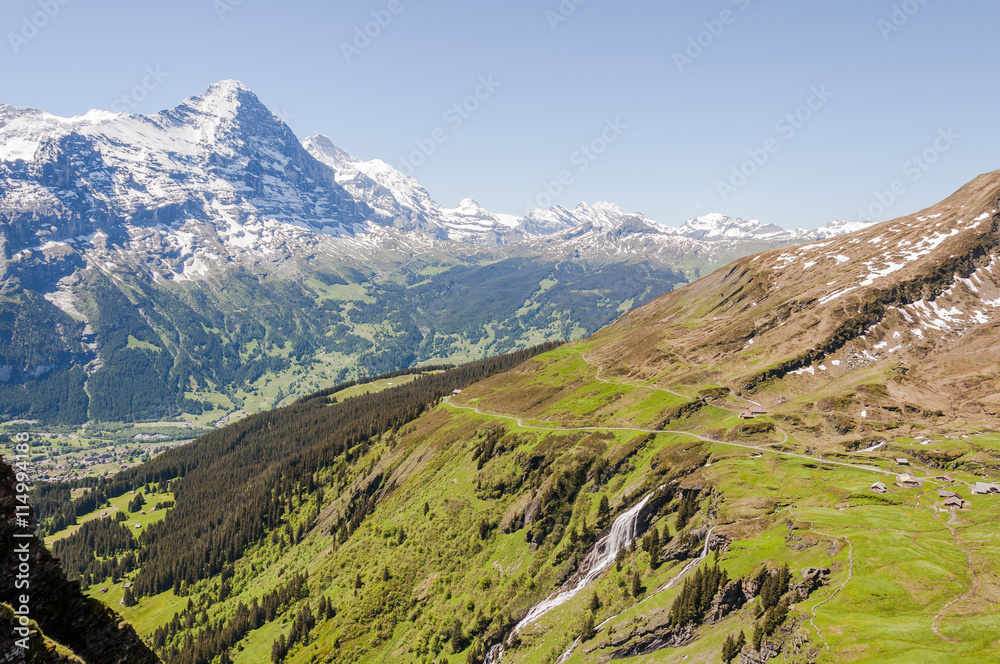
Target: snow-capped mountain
408, 204
400, 197
152, 255
216, 177
220, 178
720, 227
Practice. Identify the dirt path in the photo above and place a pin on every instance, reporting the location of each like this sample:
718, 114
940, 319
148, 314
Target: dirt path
610, 382
935, 626
850, 575
706, 439
763, 449
597, 376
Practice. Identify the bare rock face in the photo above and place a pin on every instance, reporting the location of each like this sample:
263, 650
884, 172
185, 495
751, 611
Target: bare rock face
652, 639
38, 652
728, 600
813, 578
94, 632
769, 649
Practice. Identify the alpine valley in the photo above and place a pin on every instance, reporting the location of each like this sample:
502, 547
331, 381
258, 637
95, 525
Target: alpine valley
792, 459
203, 263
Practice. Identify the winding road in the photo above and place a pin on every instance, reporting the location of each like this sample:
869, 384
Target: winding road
760, 449
715, 441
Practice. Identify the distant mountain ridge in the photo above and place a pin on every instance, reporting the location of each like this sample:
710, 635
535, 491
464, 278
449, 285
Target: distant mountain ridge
150, 264
410, 205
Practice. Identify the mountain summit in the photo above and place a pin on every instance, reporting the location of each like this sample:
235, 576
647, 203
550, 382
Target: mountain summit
161, 261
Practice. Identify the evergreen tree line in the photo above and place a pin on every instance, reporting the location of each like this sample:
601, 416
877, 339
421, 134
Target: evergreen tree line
773, 588
234, 485
218, 636
93, 550
695, 599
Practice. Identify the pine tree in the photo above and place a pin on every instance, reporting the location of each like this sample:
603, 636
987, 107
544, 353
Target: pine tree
279, 649
636, 584
687, 508
653, 547
603, 511
595, 603
128, 599
729, 651
323, 607
457, 638
587, 628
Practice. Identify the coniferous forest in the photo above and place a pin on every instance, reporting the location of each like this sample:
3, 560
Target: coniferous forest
233, 486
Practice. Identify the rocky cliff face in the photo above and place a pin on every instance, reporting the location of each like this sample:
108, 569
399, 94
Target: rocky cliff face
63, 614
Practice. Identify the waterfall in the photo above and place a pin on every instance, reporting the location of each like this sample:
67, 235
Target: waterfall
600, 558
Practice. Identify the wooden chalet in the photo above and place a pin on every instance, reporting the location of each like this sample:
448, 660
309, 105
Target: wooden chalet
955, 502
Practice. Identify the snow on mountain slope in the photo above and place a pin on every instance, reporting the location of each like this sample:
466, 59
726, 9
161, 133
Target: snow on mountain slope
220, 167
720, 227
399, 196
220, 179
917, 298
380, 185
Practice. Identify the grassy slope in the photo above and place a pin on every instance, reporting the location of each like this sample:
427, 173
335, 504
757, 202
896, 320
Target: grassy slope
908, 564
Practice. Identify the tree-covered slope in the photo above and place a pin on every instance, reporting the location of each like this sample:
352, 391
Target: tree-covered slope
430, 536
63, 624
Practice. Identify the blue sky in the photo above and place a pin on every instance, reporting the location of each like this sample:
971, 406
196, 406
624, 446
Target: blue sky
795, 112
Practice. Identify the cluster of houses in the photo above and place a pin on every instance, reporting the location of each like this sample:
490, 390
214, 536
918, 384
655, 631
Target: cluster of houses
951, 498
69, 466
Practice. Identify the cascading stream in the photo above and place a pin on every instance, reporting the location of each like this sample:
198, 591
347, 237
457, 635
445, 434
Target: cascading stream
600, 558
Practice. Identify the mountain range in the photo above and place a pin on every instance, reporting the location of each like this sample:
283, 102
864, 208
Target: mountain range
792, 459
204, 261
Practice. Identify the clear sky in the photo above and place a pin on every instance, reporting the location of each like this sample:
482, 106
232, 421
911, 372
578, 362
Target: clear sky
670, 96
